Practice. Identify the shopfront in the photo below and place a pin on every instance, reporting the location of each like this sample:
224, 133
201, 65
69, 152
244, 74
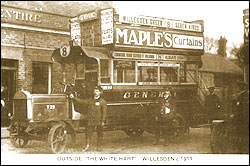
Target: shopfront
28, 38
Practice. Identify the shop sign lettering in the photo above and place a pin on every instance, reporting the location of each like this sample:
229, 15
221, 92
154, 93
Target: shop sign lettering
107, 26
131, 55
161, 22
246, 25
88, 16
158, 39
10, 14
75, 31
39, 19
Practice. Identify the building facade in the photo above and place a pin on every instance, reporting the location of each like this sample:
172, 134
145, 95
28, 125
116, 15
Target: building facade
223, 74
28, 38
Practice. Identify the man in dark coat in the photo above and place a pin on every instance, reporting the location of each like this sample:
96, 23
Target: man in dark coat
212, 105
96, 116
163, 118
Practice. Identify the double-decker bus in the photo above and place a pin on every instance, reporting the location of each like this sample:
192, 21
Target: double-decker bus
134, 60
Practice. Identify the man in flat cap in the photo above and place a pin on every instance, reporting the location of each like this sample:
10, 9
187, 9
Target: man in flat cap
96, 115
212, 104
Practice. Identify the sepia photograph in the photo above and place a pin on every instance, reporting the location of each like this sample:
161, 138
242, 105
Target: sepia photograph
125, 82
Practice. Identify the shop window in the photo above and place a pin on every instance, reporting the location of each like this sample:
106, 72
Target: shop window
124, 71
40, 78
105, 71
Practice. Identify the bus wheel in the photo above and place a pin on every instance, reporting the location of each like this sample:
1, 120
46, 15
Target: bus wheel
133, 132
57, 138
17, 140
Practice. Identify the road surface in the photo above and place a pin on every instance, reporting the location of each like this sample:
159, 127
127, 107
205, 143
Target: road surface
117, 142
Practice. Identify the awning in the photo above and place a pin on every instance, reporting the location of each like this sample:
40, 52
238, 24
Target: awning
77, 53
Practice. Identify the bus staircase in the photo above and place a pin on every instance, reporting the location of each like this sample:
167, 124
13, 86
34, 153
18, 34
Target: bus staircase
200, 118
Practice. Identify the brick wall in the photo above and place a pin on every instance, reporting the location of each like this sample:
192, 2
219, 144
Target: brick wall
33, 39
91, 31
57, 77
11, 36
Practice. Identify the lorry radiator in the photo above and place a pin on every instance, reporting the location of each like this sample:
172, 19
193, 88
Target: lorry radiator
20, 109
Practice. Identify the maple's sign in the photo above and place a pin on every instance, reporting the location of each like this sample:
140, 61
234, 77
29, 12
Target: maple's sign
156, 39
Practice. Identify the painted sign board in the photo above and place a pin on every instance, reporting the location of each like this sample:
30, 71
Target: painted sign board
145, 38
107, 26
149, 56
75, 31
32, 18
161, 22
246, 25
88, 16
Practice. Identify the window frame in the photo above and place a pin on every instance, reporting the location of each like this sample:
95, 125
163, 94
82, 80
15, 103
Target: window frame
158, 64
112, 71
110, 74
158, 82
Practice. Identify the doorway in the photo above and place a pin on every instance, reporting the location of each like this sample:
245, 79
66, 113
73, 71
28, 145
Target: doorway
9, 83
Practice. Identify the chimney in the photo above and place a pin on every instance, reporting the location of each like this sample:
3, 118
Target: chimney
222, 42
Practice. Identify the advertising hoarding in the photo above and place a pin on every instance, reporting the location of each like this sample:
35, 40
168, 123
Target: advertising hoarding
246, 25
161, 22
107, 26
144, 38
75, 31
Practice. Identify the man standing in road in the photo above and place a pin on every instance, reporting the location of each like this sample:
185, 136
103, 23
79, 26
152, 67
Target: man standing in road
212, 105
164, 117
96, 116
